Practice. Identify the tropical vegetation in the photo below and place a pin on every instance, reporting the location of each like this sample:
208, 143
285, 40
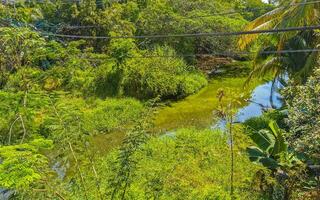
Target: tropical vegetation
142, 99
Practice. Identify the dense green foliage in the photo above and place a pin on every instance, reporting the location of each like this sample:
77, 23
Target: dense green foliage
189, 164
64, 85
150, 77
271, 146
303, 108
22, 165
50, 115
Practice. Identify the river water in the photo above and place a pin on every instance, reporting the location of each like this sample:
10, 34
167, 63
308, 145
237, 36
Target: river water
263, 97
260, 101
198, 110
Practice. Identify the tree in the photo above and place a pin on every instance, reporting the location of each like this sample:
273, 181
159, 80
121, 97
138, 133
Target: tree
288, 14
19, 47
304, 117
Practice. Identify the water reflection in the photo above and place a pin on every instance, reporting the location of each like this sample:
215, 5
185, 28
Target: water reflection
261, 101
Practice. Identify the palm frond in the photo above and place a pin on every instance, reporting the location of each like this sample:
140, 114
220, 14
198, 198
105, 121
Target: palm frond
307, 69
266, 21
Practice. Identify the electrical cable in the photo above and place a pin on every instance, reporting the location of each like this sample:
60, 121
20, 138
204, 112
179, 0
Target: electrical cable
214, 54
213, 34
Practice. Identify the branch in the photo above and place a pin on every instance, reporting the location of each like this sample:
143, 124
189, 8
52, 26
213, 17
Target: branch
24, 129
79, 170
10, 130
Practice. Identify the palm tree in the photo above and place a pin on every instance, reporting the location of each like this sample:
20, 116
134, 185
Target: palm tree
290, 13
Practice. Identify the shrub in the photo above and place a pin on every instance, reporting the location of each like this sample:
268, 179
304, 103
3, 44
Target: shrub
107, 80
22, 165
24, 79
255, 124
191, 83
165, 77
112, 114
304, 116
73, 118
60, 117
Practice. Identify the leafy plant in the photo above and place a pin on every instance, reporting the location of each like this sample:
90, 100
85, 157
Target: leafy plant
23, 165
160, 76
303, 117
270, 146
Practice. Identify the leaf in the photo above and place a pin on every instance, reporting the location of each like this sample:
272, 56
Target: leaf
280, 144
309, 65
255, 154
269, 163
266, 21
264, 139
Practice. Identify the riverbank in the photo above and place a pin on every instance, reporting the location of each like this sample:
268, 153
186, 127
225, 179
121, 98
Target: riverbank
195, 111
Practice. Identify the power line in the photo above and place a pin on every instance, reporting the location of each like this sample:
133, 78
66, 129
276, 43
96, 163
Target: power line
66, 2
290, 51
213, 34
102, 3
231, 54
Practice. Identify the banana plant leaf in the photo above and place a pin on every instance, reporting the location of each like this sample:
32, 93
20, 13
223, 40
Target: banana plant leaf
255, 154
269, 163
280, 143
264, 140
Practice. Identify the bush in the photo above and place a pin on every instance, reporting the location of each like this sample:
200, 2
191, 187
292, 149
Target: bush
112, 114
165, 77
191, 83
59, 116
24, 79
107, 80
304, 117
78, 118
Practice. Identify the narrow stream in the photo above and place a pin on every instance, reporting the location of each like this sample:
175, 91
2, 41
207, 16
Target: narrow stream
197, 111
262, 99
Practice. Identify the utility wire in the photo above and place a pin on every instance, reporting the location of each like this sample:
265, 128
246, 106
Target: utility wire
215, 54
213, 34
12, 2
102, 3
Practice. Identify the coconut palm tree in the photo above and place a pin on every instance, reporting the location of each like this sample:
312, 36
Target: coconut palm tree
290, 13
